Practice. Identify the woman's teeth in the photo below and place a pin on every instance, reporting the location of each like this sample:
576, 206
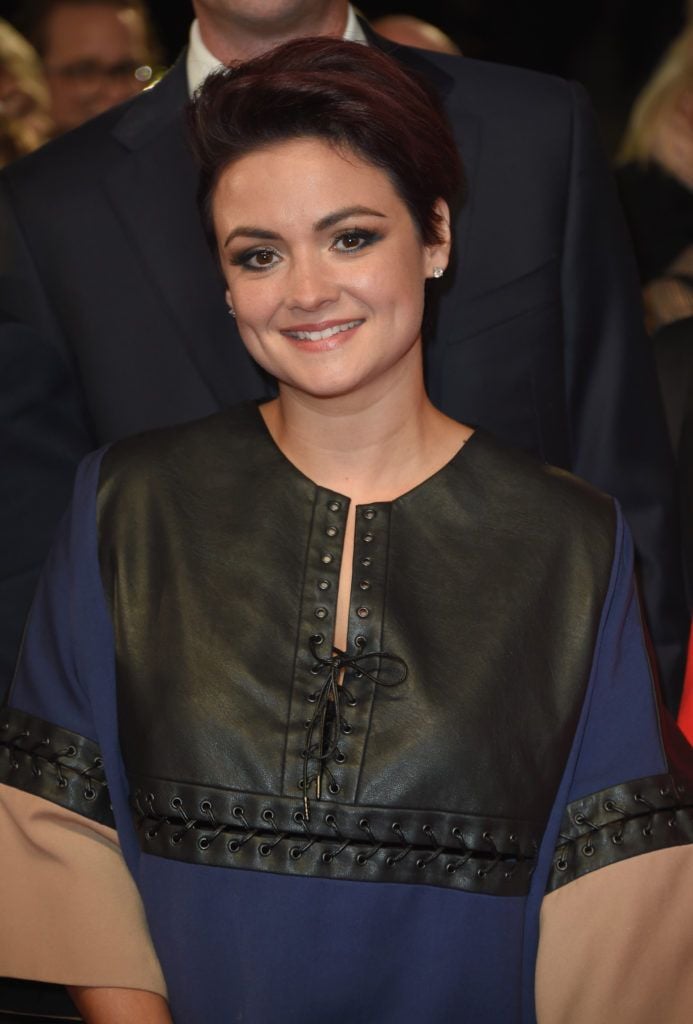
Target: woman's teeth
321, 335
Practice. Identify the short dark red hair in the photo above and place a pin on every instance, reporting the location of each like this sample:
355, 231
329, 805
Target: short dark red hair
348, 94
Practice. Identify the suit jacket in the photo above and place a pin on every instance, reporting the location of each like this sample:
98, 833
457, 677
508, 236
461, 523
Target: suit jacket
113, 299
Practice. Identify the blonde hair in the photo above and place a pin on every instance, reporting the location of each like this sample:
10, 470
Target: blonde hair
21, 74
17, 54
671, 80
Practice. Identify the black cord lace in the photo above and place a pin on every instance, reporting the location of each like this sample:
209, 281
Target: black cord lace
328, 721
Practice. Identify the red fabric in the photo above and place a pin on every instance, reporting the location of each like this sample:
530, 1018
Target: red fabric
686, 712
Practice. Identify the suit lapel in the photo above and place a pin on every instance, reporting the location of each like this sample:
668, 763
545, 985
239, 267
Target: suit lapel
445, 302
152, 191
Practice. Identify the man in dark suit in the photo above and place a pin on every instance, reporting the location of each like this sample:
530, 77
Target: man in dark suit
115, 321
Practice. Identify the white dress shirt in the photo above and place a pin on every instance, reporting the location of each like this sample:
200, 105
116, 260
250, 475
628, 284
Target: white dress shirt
200, 62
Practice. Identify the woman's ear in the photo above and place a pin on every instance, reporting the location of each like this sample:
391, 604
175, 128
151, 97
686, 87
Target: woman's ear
438, 254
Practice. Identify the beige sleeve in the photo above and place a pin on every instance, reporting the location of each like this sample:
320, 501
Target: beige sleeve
71, 911
616, 945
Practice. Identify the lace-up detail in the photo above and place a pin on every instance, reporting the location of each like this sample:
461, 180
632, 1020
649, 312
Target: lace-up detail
328, 722
53, 763
263, 832
653, 813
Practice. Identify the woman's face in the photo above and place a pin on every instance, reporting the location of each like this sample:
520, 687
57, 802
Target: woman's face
324, 266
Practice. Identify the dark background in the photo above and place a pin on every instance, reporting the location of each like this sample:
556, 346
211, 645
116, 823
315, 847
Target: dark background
611, 46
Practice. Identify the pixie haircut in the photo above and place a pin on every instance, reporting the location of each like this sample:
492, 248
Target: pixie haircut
351, 96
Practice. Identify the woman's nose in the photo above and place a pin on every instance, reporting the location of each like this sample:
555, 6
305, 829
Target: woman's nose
311, 285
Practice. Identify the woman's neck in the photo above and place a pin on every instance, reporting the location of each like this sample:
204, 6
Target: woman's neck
371, 447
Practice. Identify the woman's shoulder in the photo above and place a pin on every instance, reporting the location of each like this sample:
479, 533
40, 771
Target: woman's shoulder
185, 451
515, 492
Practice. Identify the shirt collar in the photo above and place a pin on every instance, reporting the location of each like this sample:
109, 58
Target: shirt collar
200, 62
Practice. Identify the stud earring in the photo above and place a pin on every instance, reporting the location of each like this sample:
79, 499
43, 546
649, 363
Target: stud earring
232, 312
438, 271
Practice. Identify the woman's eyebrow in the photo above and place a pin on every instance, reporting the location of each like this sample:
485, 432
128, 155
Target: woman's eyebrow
347, 211
328, 221
251, 232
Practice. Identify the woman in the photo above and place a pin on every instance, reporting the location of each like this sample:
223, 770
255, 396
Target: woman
655, 179
25, 122
363, 684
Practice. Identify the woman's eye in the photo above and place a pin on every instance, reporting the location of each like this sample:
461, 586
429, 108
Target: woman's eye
256, 259
354, 241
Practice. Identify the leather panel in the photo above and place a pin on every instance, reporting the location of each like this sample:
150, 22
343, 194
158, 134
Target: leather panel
54, 763
226, 828
636, 817
214, 549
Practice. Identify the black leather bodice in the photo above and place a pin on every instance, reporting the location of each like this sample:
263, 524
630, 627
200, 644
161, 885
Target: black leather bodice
475, 603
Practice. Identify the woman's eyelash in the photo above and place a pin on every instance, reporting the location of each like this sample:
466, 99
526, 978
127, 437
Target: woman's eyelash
352, 240
243, 259
362, 236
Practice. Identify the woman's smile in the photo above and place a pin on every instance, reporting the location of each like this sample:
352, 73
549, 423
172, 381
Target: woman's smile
324, 335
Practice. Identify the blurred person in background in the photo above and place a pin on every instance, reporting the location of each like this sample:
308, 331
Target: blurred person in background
410, 31
655, 179
25, 122
95, 53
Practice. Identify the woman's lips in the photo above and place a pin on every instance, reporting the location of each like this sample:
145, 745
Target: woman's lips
321, 331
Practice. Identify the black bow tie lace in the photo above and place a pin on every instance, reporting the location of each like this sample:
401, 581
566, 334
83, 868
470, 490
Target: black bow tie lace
329, 722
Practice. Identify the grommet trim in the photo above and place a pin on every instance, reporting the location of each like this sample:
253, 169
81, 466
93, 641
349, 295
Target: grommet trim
652, 813
57, 764
181, 821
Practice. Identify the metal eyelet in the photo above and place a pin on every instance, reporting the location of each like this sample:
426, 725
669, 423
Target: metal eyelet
264, 849
203, 843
